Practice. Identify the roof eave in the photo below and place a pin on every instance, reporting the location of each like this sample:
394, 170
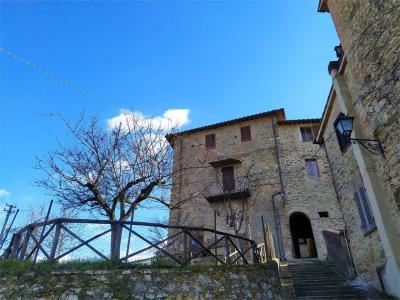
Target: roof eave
277, 112
299, 121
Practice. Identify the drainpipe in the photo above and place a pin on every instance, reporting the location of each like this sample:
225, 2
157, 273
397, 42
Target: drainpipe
281, 250
282, 194
277, 155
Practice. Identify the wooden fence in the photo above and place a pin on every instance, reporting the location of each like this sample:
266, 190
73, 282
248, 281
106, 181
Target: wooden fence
181, 246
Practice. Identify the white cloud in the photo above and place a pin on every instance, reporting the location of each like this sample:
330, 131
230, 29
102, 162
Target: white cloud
129, 120
4, 193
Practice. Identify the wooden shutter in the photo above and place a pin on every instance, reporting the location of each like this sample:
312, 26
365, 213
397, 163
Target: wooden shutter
228, 178
360, 211
210, 141
245, 133
364, 210
367, 208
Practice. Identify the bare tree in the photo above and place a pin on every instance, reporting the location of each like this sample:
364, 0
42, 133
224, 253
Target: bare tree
111, 172
234, 209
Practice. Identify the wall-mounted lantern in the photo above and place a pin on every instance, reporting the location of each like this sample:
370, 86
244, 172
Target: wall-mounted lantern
344, 125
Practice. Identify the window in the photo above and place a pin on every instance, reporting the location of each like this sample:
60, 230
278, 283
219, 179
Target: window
228, 179
364, 210
323, 214
245, 133
210, 141
306, 134
344, 142
312, 168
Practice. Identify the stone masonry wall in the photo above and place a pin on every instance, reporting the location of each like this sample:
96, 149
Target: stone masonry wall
305, 194
257, 155
367, 250
240, 282
369, 34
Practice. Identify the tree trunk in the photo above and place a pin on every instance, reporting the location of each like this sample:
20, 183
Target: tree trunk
116, 233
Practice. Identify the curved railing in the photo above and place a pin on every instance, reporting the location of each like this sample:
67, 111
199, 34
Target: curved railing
58, 239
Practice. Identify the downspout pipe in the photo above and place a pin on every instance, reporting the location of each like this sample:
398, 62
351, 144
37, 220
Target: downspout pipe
281, 193
281, 250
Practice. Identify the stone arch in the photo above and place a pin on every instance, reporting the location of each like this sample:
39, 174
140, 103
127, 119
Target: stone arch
302, 235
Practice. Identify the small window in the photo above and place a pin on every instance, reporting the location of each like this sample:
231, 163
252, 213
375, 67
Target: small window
323, 214
364, 210
312, 168
228, 179
210, 141
306, 134
344, 142
245, 133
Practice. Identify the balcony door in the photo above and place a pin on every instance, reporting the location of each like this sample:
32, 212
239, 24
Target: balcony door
228, 179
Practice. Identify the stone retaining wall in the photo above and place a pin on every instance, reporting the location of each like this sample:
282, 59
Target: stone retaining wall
235, 282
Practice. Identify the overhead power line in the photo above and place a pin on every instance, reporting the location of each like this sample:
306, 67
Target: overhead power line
86, 92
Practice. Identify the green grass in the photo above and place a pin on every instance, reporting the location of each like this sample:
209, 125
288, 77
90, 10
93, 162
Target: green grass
97, 264
86, 264
10, 265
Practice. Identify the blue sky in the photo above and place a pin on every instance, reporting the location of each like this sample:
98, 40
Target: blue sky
220, 60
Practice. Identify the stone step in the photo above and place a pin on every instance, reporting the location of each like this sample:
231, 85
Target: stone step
333, 277
310, 269
326, 288
331, 297
318, 283
315, 273
317, 280
332, 293
320, 280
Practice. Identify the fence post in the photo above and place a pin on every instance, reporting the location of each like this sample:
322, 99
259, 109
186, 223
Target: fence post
42, 233
227, 250
116, 232
267, 249
129, 239
55, 241
15, 246
185, 246
215, 236
25, 243
254, 252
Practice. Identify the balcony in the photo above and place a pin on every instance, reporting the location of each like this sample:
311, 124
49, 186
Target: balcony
228, 195
224, 162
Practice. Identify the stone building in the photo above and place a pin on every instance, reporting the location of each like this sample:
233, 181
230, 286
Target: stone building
365, 88
261, 165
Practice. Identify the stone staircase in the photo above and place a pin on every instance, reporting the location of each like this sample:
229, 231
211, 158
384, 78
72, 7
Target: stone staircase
314, 279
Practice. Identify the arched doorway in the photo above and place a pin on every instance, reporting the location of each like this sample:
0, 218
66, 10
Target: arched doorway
302, 236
